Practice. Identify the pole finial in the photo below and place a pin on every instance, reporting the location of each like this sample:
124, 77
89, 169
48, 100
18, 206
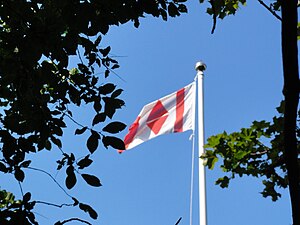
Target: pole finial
200, 66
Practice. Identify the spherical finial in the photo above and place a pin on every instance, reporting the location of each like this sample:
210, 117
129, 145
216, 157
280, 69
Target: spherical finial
200, 66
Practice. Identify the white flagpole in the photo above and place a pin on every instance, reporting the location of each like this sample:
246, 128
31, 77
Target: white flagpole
200, 67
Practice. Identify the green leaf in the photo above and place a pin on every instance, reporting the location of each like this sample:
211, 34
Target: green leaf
210, 159
86, 208
91, 180
241, 154
80, 131
114, 127
114, 142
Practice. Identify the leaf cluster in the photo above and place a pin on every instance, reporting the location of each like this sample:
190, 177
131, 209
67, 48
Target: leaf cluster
255, 151
16, 212
224, 8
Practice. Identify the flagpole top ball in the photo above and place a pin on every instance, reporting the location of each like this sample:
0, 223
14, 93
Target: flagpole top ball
200, 66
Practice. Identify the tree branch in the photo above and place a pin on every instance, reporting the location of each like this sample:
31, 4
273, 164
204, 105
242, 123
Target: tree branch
214, 16
74, 121
178, 221
52, 204
55, 181
269, 9
73, 219
21, 189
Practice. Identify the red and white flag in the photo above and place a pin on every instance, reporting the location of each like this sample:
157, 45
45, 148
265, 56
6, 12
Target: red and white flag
170, 114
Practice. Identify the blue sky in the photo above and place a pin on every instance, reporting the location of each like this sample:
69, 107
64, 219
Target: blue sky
150, 184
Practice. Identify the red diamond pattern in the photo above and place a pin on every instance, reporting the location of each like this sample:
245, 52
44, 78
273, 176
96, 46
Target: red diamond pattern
157, 117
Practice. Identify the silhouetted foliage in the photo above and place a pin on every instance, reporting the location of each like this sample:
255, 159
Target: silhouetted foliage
241, 146
39, 89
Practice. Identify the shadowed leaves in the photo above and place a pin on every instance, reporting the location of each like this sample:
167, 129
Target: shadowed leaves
100, 117
85, 162
39, 90
88, 209
80, 131
93, 141
255, 151
19, 174
71, 177
114, 142
114, 127
91, 180
3, 168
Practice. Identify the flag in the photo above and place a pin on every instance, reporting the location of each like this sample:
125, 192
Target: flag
170, 114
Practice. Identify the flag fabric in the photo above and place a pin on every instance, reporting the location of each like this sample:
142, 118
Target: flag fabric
170, 114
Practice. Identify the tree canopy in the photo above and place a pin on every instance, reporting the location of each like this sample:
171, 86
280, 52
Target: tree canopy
39, 88
244, 152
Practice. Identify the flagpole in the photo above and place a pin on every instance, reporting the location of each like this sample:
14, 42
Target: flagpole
200, 67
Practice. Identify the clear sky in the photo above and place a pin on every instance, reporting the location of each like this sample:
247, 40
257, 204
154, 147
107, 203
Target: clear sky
150, 184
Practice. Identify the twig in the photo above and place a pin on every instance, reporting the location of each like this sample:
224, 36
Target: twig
52, 204
214, 16
74, 121
40, 170
21, 188
178, 221
259, 153
79, 56
76, 219
269, 9
110, 70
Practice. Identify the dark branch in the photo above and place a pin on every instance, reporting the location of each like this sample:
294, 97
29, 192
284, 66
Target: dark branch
55, 205
178, 221
74, 219
110, 70
21, 189
269, 9
214, 16
74, 121
55, 181
259, 153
